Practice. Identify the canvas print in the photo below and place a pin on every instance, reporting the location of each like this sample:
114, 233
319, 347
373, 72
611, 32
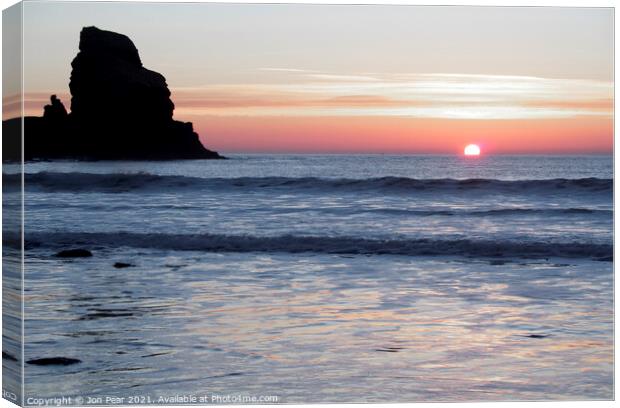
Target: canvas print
211, 203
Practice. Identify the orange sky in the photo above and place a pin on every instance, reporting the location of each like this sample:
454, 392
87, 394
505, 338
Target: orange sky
413, 113
397, 79
405, 135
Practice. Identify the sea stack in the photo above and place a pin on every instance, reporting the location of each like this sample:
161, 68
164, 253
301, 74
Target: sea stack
119, 110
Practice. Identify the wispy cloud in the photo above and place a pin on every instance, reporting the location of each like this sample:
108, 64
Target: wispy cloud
344, 78
448, 96
417, 95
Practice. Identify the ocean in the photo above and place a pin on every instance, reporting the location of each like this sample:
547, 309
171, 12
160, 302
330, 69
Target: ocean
319, 278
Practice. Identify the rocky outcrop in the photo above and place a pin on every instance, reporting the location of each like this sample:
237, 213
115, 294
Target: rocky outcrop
54, 361
74, 253
119, 110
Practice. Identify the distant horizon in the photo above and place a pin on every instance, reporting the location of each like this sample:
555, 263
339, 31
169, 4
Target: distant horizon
454, 154
295, 79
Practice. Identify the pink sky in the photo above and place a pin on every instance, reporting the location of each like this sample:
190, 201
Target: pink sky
320, 78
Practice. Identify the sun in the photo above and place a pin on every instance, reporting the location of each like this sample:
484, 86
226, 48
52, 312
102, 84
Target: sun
472, 150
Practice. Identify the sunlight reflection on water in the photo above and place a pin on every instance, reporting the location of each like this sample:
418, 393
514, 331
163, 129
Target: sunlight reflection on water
321, 328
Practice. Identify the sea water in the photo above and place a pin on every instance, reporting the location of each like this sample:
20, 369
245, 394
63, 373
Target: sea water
320, 278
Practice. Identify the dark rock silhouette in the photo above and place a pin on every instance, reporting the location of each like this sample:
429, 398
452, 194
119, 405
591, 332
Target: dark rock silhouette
537, 336
120, 265
74, 253
55, 111
8, 356
119, 110
54, 361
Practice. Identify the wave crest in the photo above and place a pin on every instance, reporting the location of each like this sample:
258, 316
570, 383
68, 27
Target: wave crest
118, 183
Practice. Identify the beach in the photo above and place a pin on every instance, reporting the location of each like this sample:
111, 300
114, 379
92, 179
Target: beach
321, 278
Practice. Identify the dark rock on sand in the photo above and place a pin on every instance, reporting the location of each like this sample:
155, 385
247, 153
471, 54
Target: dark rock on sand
74, 253
389, 349
105, 314
7, 356
54, 361
120, 265
536, 336
119, 110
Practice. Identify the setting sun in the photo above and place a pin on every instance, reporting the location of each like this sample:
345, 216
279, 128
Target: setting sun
472, 150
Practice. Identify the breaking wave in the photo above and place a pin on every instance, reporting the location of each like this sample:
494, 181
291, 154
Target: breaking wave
118, 183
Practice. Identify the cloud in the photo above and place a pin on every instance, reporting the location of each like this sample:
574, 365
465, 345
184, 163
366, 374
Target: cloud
343, 78
439, 95
417, 95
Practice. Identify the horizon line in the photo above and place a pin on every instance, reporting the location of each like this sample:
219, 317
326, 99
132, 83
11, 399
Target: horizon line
415, 153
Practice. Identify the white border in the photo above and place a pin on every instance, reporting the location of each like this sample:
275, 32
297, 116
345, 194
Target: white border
510, 3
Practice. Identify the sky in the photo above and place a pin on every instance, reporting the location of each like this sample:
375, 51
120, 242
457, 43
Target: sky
355, 79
